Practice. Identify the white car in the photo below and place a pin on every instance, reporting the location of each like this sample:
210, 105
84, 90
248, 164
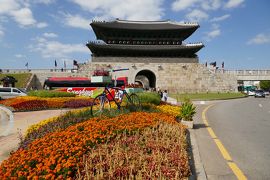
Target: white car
251, 93
10, 92
266, 93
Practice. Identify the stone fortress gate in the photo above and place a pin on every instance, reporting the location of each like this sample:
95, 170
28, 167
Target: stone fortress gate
156, 56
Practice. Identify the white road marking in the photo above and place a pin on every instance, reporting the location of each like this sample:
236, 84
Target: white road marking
260, 105
202, 102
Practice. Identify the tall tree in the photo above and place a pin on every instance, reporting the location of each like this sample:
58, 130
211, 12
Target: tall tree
265, 84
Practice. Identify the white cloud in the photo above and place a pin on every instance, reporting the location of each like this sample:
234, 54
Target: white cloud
8, 5
197, 15
76, 21
221, 18
215, 32
1, 33
211, 4
44, 1
128, 9
50, 35
55, 49
42, 25
19, 56
233, 3
19, 11
23, 16
179, 5
260, 39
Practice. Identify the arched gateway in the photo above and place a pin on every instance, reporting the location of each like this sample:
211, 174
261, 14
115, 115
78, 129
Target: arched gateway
146, 78
155, 54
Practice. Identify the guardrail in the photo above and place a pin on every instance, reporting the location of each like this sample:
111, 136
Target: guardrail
37, 70
248, 72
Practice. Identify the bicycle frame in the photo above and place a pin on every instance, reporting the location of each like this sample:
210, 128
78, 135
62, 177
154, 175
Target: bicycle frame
104, 99
106, 92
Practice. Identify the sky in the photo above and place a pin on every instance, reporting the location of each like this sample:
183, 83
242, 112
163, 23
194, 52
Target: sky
38, 32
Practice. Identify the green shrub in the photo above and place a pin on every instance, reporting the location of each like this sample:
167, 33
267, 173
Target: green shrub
149, 97
149, 108
187, 111
265, 85
50, 94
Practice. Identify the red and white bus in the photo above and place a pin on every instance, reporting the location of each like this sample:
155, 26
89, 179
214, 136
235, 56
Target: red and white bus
80, 85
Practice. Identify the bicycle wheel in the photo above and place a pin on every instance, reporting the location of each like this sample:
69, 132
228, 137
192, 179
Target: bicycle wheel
134, 102
101, 105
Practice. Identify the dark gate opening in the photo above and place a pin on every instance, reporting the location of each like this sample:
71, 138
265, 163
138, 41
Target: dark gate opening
146, 78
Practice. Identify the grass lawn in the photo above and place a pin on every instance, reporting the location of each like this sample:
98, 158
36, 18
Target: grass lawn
22, 79
206, 96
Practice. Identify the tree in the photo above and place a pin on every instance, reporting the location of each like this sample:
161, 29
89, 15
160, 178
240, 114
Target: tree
265, 84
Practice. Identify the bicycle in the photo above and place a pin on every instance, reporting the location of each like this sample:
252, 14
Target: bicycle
102, 103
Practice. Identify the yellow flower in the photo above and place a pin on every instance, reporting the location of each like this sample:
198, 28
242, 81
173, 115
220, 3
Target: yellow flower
169, 109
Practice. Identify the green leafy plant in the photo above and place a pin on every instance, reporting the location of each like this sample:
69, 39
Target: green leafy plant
149, 97
187, 111
50, 94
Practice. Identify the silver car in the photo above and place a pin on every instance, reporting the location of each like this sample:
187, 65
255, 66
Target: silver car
10, 92
259, 93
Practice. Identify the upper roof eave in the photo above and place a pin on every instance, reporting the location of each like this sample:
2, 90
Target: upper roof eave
158, 25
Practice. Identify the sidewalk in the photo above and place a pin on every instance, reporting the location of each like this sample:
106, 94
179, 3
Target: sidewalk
22, 120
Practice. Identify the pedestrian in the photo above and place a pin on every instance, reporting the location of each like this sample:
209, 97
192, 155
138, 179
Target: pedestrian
165, 96
160, 92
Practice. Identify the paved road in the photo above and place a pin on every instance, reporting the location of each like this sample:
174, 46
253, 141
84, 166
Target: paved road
243, 126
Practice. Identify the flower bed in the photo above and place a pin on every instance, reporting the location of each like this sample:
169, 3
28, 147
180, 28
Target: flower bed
170, 109
75, 116
59, 154
30, 103
153, 153
54, 124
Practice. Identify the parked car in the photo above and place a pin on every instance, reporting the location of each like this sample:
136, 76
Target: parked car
266, 93
24, 90
251, 93
10, 92
259, 93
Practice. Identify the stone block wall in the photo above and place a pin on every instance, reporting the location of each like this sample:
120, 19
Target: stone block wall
174, 74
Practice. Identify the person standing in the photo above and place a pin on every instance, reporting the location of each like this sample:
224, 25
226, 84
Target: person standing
165, 96
160, 92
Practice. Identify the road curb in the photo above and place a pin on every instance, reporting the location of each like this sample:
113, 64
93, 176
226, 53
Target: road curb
196, 165
9, 118
198, 171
